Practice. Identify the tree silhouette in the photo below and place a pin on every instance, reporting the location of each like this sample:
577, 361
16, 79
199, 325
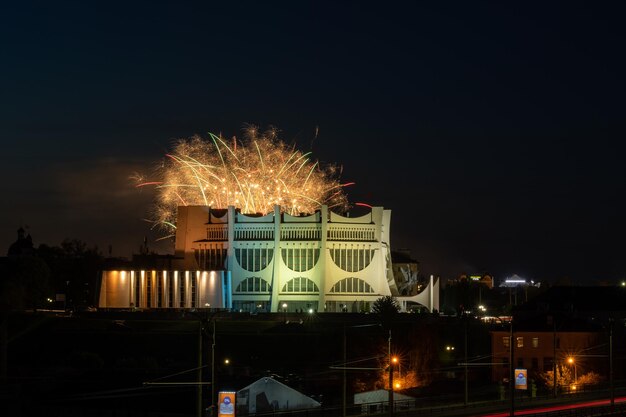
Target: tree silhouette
387, 308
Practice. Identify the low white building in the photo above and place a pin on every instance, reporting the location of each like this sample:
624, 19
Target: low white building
377, 401
268, 395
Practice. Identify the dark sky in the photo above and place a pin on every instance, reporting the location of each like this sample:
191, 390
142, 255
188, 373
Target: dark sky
493, 131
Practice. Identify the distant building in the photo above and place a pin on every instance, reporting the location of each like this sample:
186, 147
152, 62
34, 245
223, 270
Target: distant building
268, 395
23, 246
276, 262
377, 401
564, 322
537, 347
484, 279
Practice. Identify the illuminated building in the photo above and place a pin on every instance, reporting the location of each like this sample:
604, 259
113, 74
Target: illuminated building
273, 262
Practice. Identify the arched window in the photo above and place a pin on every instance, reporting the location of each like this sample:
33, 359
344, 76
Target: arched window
300, 285
253, 284
352, 285
352, 260
300, 259
254, 259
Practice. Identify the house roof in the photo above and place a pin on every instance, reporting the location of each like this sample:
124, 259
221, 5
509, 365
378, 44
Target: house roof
273, 388
378, 396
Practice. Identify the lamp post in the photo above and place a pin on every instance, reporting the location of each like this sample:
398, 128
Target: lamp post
465, 358
572, 361
395, 361
512, 369
213, 405
611, 364
390, 379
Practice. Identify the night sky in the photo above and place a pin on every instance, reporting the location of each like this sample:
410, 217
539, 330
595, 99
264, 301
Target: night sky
494, 132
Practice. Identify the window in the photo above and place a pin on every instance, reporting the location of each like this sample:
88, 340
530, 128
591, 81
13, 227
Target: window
535, 363
547, 364
535, 342
213, 257
352, 285
300, 259
254, 259
520, 362
351, 260
505, 342
253, 284
520, 342
300, 285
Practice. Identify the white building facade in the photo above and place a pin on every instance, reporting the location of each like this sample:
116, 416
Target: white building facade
323, 262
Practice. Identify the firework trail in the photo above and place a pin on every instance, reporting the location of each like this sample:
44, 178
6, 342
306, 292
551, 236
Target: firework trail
252, 175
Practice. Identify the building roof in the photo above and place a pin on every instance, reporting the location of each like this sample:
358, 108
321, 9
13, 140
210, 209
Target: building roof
377, 396
276, 392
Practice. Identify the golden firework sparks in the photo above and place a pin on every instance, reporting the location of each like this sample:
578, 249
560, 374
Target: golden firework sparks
253, 175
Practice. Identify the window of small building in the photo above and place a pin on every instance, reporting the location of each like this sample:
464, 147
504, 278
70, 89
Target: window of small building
547, 364
505, 341
520, 342
535, 342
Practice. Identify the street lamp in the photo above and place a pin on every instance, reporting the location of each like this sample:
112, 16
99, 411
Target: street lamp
396, 361
572, 361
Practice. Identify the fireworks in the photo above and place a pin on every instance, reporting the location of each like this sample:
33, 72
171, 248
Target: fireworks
253, 175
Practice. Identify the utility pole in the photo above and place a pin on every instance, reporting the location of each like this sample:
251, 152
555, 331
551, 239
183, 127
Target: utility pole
199, 388
390, 379
512, 370
466, 373
612, 388
554, 378
213, 406
344, 370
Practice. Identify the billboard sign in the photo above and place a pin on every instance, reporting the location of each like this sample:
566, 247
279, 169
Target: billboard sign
226, 404
521, 379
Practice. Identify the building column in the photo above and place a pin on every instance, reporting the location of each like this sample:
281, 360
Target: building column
275, 282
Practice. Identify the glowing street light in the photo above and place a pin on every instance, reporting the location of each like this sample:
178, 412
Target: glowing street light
572, 361
284, 306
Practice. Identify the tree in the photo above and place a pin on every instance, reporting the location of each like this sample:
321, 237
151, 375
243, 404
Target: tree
564, 377
590, 378
387, 308
386, 305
